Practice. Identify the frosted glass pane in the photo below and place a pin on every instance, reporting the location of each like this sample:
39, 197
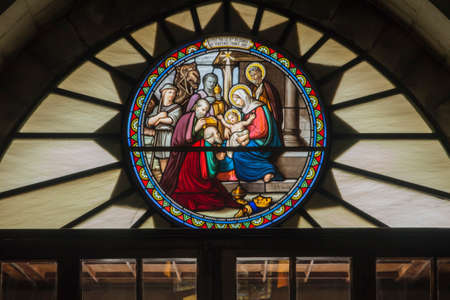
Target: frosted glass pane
62, 114
55, 206
391, 115
32, 161
417, 161
359, 81
94, 81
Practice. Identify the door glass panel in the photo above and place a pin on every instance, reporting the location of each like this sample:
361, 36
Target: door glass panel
108, 279
403, 278
323, 278
170, 278
28, 280
262, 278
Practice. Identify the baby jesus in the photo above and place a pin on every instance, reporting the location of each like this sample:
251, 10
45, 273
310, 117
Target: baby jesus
239, 133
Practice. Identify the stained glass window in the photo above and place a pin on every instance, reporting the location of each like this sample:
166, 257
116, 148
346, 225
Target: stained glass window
388, 160
226, 132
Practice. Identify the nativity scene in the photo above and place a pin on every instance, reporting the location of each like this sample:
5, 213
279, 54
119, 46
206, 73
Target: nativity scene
226, 134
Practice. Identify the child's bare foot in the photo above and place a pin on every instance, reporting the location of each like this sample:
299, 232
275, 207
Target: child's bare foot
245, 142
268, 177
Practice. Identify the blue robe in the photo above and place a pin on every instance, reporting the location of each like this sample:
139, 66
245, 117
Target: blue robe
254, 165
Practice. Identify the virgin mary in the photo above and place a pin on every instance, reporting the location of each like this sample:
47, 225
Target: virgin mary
263, 132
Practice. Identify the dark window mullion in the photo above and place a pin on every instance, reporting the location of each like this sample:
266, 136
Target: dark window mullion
434, 279
292, 278
139, 48
363, 277
221, 149
142, 219
226, 15
66, 135
302, 211
392, 180
139, 279
365, 99
196, 20
107, 67
342, 69
257, 21
69, 278
89, 99
62, 179
314, 48
99, 208
167, 33
387, 136
287, 30
352, 208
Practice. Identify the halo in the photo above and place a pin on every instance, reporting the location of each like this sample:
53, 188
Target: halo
259, 66
236, 87
235, 111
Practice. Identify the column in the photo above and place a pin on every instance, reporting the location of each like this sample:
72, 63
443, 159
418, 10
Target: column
291, 130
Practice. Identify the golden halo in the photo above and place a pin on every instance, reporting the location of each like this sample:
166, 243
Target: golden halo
236, 87
259, 66
233, 111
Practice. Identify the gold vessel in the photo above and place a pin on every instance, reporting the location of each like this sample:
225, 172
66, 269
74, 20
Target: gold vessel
238, 194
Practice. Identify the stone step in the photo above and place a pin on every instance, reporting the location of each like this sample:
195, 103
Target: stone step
291, 164
261, 187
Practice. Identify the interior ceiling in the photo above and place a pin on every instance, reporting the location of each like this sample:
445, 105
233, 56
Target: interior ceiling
428, 18
309, 270
389, 158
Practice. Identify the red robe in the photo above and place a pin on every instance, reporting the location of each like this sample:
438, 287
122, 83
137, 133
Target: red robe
196, 189
182, 136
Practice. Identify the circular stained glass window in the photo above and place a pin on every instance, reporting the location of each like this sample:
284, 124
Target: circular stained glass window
226, 132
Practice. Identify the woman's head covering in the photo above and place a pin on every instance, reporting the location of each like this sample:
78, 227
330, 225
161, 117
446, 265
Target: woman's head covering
249, 103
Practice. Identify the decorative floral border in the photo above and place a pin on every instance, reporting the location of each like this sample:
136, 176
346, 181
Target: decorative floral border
188, 218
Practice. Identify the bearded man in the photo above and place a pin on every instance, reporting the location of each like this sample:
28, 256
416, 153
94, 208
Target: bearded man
265, 92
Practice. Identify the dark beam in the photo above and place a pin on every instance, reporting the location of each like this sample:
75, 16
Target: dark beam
62, 179
196, 20
65, 135
257, 21
226, 15
127, 78
139, 279
5, 4
142, 219
99, 208
342, 242
291, 4
292, 278
69, 277
98, 101
386, 136
342, 69
434, 280
168, 35
221, 149
139, 48
352, 208
363, 277
314, 48
308, 217
365, 99
287, 30
409, 185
